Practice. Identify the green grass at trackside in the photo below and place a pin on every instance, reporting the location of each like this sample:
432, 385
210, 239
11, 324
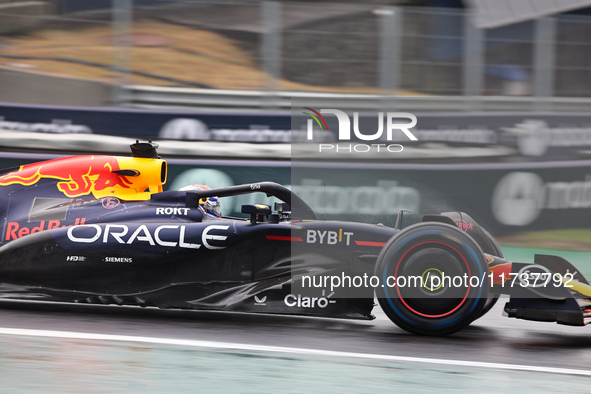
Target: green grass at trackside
575, 240
581, 260
572, 245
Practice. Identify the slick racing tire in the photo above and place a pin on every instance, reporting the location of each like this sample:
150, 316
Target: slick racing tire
495, 250
428, 273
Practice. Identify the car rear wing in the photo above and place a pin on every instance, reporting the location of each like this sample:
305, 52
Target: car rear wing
299, 208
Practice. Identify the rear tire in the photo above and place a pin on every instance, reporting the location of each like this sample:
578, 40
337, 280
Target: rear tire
430, 251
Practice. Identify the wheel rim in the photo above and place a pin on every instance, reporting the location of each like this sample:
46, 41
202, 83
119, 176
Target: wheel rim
432, 257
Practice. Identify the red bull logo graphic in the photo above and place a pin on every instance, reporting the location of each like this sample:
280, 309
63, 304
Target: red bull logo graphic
79, 176
14, 230
499, 273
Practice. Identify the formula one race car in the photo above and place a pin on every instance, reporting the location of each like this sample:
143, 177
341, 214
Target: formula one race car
101, 230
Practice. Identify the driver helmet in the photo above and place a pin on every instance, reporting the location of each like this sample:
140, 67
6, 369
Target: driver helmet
210, 205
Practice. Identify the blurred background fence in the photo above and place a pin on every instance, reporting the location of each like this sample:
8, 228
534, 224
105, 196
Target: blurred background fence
525, 167
254, 54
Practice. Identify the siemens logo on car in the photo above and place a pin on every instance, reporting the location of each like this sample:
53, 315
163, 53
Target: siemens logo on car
171, 235
118, 260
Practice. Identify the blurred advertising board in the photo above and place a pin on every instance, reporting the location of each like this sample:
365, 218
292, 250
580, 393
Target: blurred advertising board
531, 136
503, 197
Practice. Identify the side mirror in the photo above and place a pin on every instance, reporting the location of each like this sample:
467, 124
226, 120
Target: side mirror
254, 210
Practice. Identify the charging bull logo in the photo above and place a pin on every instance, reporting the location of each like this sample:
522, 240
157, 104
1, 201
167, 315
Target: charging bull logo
79, 176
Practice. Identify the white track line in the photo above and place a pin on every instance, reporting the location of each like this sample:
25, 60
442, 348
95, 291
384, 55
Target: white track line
287, 350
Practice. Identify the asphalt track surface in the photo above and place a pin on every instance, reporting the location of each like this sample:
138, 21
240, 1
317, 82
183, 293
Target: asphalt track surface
529, 354
80, 348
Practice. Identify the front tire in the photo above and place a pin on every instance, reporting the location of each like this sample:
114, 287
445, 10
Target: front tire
432, 305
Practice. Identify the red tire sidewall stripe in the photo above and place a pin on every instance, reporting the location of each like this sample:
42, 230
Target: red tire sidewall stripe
423, 314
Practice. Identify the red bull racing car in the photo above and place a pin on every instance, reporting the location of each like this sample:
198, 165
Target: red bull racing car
101, 230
